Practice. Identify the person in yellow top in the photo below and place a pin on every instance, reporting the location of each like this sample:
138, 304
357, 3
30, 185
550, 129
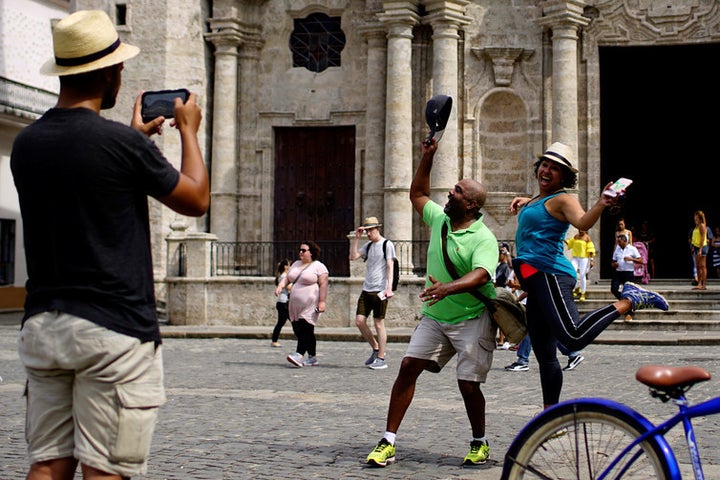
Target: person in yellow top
582, 250
699, 248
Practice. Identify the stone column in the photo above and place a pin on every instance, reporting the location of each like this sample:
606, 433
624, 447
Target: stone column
374, 168
251, 210
399, 19
564, 18
223, 176
446, 17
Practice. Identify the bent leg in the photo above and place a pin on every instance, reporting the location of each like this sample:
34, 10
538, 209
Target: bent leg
403, 391
551, 296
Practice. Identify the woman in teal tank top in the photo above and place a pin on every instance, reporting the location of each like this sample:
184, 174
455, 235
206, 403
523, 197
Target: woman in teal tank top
547, 275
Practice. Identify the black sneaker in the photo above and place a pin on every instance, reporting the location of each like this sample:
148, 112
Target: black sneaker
574, 362
518, 367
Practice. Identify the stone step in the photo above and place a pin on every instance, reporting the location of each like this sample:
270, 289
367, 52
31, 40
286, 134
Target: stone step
665, 325
689, 309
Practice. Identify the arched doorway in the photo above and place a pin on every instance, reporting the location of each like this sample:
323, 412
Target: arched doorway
659, 127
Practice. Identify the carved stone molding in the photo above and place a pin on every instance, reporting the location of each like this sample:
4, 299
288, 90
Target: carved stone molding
656, 21
503, 60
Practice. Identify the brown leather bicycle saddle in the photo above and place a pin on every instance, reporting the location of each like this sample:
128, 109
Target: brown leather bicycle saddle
666, 379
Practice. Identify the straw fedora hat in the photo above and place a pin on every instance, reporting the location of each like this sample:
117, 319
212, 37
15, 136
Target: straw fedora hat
85, 41
371, 222
562, 154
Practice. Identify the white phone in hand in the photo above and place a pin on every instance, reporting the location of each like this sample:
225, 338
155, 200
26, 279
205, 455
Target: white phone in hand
381, 295
618, 187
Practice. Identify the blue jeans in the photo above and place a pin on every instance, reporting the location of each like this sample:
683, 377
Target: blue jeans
525, 346
523, 352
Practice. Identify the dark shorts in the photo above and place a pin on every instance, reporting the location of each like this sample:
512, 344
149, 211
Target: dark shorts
368, 303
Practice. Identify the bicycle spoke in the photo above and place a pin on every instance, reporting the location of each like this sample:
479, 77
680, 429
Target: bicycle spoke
582, 445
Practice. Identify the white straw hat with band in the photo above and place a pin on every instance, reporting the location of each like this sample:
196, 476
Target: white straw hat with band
562, 154
85, 41
371, 222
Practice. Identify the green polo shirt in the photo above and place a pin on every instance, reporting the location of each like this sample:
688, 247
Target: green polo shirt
470, 248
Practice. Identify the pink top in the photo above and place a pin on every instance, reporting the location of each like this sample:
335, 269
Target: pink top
305, 291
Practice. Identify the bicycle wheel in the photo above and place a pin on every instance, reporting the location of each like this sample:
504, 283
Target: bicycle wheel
579, 441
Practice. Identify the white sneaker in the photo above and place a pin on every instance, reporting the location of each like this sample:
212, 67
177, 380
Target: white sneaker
296, 359
378, 364
311, 361
504, 346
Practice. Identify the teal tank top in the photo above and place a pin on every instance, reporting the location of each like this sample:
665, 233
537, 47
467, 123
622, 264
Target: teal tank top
539, 239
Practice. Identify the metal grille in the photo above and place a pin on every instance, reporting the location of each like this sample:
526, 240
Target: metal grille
316, 42
261, 258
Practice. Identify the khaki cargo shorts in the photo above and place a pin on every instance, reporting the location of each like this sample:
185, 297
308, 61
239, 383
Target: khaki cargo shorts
472, 340
92, 393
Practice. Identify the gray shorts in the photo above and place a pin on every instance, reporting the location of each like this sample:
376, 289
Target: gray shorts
92, 393
472, 340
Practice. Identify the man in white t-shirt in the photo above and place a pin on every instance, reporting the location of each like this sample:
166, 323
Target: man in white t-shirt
378, 254
624, 259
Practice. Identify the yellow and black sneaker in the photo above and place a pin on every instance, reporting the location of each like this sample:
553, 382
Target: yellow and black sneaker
479, 453
382, 454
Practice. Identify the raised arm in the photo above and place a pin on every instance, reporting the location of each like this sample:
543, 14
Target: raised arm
191, 196
354, 252
420, 186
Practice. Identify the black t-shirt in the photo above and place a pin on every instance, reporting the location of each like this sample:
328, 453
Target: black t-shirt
502, 274
83, 183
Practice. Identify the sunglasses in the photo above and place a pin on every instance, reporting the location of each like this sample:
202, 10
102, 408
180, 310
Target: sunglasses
303, 250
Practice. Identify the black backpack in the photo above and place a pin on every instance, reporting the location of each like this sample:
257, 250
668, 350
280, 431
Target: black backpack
396, 268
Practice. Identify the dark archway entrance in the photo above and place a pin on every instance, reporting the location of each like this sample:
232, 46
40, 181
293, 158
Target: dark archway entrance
660, 127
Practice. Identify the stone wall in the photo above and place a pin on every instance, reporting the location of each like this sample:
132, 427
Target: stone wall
251, 301
197, 298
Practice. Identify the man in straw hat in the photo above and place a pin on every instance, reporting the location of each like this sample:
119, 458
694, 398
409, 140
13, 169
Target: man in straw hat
377, 287
453, 321
90, 340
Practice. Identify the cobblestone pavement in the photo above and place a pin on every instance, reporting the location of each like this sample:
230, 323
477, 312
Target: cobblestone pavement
236, 410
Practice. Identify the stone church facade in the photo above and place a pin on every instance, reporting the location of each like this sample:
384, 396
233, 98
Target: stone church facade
522, 74
280, 80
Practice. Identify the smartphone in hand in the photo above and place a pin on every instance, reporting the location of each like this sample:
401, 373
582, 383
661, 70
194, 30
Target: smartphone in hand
618, 187
161, 103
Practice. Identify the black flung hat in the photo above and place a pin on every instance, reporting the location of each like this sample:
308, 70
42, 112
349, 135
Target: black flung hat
437, 114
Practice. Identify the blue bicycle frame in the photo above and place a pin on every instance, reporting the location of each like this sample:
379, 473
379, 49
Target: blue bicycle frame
685, 415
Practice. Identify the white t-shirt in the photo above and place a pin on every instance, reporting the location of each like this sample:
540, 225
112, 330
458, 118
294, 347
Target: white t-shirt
620, 254
376, 264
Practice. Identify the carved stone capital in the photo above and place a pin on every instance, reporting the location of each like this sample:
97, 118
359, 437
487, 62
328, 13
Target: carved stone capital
503, 60
231, 32
399, 17
446, 13
563, 13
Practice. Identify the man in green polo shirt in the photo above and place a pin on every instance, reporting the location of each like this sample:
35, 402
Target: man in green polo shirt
453, 320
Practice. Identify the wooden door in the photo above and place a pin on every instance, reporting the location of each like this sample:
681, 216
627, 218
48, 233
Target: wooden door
314, 191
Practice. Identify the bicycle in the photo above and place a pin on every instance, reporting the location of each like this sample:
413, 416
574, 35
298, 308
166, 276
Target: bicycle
596, 438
